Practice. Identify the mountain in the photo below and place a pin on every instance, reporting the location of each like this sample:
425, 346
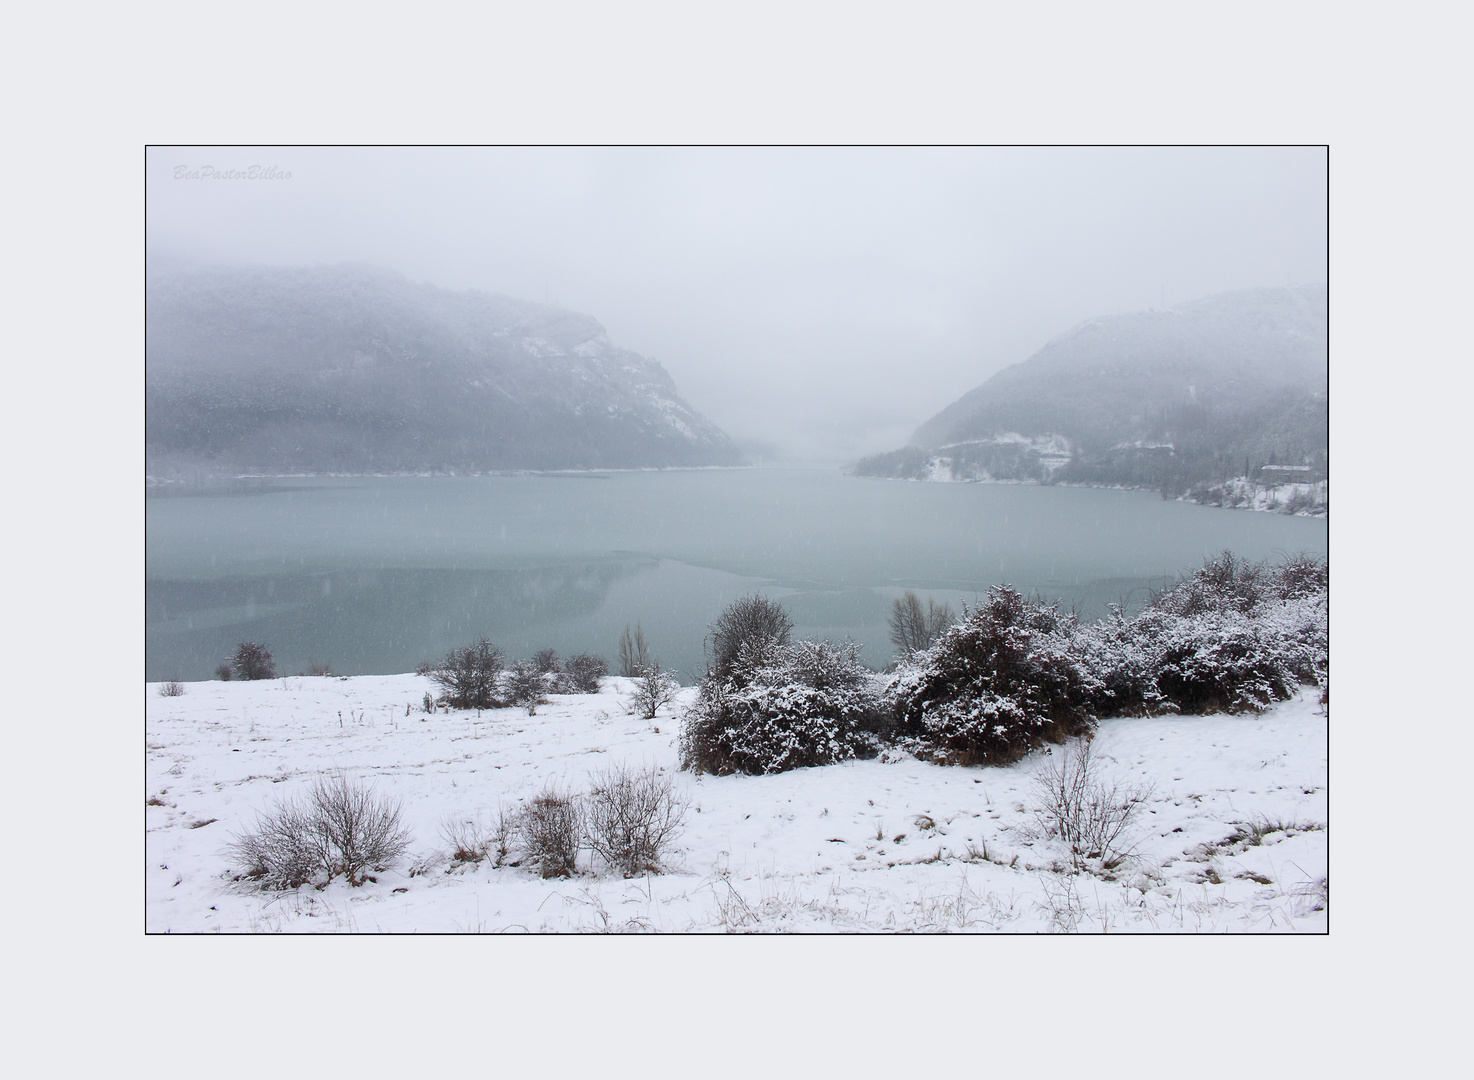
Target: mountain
1234, 385
355, 369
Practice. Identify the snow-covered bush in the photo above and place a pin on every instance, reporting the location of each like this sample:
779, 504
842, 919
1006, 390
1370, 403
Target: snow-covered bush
1234, 662
1125, 656
1234, 636
783, 707
1299, 577
172, 688
339, 827
631, 816
997, 684
468, 676
252, 661
1225, 583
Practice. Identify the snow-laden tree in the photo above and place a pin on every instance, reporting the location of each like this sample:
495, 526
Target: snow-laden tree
746, 635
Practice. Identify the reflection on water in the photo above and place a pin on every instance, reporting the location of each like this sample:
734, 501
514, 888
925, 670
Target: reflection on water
371, 620
374, 575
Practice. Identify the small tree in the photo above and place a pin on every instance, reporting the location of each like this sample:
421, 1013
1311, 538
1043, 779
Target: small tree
468, 676
914, 630
634, 654
545, 661
652, 690
252, 661
745, 635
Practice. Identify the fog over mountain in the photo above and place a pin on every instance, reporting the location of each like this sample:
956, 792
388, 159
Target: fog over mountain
355, 369
816, 303
1217, 388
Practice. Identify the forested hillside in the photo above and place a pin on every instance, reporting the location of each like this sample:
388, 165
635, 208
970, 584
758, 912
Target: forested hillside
354, 369
1197, 394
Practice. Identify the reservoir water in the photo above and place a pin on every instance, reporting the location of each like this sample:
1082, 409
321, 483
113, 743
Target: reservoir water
376, 574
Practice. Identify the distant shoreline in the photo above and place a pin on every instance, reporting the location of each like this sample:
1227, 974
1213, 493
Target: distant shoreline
1259, 498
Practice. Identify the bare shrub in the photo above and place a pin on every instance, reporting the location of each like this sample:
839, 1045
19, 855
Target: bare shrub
1090, 814
634, 654
914, 630
745, 635
252, 660
340, 826
582, 672
172, 688
652, 690
551, 829
468, 676
471, 840
631, 816
285, 850
545, 661
360, 830
465, 839
503, 834
223, 673
323, 670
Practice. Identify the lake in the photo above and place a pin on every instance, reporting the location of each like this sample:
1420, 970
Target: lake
373, 575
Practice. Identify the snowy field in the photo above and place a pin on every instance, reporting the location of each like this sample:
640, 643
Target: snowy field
1232, 838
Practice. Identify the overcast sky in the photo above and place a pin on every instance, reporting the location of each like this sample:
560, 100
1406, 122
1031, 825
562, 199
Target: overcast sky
822, 301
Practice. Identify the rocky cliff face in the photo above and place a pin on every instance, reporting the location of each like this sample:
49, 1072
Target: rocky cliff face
352, 369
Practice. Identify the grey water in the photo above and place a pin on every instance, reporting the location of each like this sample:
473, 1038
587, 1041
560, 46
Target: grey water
373, 575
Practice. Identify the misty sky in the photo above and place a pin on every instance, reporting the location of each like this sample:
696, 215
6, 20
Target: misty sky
823, 302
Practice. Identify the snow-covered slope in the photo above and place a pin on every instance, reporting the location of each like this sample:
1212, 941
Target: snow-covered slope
1232, 837
348, 368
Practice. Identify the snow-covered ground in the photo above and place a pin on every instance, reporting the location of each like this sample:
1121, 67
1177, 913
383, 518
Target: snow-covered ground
1232, 838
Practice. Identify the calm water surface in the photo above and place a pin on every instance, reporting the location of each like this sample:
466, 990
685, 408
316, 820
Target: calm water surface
375, 574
